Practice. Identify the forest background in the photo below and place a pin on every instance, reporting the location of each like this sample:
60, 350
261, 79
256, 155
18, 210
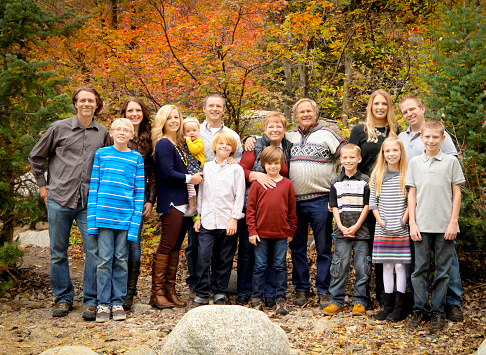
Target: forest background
258, 54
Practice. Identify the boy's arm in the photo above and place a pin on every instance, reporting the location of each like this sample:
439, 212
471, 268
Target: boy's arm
196, 146
94, 186
362, 217
451, 231
337, 218
139, 194
412, 203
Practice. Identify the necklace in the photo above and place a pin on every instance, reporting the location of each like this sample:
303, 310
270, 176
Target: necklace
182, 154
382, 134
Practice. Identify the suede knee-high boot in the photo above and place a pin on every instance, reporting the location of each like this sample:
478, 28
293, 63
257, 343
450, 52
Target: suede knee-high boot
170, 280
400, 311
133, 273
159, 270
389, 303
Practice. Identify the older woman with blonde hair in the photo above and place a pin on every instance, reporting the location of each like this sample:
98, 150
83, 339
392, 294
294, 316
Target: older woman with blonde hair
172, 203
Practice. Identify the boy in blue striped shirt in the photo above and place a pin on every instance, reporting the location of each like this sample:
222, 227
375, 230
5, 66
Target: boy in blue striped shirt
115, 204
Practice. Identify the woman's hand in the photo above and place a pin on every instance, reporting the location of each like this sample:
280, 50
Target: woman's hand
147, 209
250, 144
197, 225
232, 160
196, 178
266, 182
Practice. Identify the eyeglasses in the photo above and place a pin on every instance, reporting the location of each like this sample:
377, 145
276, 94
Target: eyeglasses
120, 130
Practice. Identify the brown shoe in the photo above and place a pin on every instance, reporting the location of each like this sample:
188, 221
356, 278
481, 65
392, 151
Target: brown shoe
159, 269
324, 300
301, 298
194, 304
170, 280
61, 309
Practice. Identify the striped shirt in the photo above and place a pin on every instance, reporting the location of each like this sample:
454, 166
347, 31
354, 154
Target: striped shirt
350, 194
116, 193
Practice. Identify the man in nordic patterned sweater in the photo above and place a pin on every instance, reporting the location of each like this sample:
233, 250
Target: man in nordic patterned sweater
312, 167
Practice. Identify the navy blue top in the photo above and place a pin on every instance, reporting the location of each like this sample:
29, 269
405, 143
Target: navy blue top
171, 176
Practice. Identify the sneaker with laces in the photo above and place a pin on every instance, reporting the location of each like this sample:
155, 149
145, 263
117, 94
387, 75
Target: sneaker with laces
118, 312
61, 309
103, 313
358, 310
257, 304
89, 313
417, 318
437, 321
332, 309
282, 306
301, 298
454, 313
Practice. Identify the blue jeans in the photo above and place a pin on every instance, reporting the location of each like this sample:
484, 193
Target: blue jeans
444, 253
263, 251
216, 251
454, 292
60, 220
340, 270
316, 213
246, 263
112, 272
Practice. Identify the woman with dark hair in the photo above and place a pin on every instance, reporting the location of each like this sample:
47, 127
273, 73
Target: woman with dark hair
172, 203
137, 112
381, 123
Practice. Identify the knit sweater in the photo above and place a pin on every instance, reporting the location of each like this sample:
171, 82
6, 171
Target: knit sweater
272, 213
116, 192
312, 158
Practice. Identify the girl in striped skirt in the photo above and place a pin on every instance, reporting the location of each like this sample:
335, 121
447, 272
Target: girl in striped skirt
391, 246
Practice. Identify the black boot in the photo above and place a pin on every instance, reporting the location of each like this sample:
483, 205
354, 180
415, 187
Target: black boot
389, 302
400, 311
133, 272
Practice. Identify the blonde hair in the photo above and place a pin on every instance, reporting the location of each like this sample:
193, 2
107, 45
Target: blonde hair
161, 119
189, 120
123, 122
370, 118
275, 116
379, 171
271, 154
225, 137
433, 124
351, 146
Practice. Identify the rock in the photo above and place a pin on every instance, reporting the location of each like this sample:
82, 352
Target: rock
225, 330
138, 308
41, 226
482, 349
40, 335
37, 238
69, 350
31, 304
143, 350
323, 324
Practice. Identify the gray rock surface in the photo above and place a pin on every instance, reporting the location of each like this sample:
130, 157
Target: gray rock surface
221, 330
69, 350
143, 350
41, 335
34, 237
482, 349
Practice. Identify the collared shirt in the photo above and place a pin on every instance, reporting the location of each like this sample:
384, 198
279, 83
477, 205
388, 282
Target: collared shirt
207, 135
69, 148
414, 145
433, 177
221, 194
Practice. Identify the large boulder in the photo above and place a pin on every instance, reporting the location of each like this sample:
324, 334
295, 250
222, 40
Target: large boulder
69, 350
222, 330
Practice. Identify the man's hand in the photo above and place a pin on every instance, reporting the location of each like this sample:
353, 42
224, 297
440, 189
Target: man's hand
415, 233
451, 231
43, 193
232, 227
253, 239
250, 144
197, 225
147, 209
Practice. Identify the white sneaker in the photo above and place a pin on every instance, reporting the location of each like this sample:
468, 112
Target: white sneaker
118, 312
102, 314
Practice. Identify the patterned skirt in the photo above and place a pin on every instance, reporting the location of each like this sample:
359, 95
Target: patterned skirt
391, 249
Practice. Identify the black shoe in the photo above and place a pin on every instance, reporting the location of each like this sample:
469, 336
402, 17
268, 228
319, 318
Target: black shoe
389, 306
270, 302
417, 318
301, 298
89, 313
437, 321
454, 313
242, 300
324, 300
61, 309
282, 306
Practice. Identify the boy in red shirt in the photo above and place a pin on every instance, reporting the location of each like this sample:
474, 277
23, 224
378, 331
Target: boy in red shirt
272, 220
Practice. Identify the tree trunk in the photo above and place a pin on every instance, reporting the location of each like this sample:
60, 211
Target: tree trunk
348, 94
288, 89
114, 14
304, 79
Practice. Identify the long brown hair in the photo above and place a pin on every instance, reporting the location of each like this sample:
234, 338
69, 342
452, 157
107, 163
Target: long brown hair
145, 128
379, 171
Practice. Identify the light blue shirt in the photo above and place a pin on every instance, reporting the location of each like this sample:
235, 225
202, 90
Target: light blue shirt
207, 134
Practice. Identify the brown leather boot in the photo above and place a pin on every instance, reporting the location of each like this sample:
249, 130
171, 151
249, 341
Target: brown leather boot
170, 280
159, 269
191, 210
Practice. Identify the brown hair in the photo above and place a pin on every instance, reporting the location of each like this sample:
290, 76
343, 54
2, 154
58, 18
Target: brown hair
145, 128
214, 96
226, 137
99, 102
351, 146
415, 99
275, 116
271, 154
433, 124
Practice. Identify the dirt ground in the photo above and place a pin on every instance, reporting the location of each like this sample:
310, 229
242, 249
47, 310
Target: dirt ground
26, 325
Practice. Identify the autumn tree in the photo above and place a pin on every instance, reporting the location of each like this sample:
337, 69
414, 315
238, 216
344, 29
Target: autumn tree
29, 97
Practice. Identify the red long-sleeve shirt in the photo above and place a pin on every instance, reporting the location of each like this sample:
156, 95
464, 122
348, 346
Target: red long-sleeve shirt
271, 213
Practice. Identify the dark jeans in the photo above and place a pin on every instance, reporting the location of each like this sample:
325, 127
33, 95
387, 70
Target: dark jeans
191, 257
316, 213
444, 253
216, 251
246, 262
172, 231
267, 250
